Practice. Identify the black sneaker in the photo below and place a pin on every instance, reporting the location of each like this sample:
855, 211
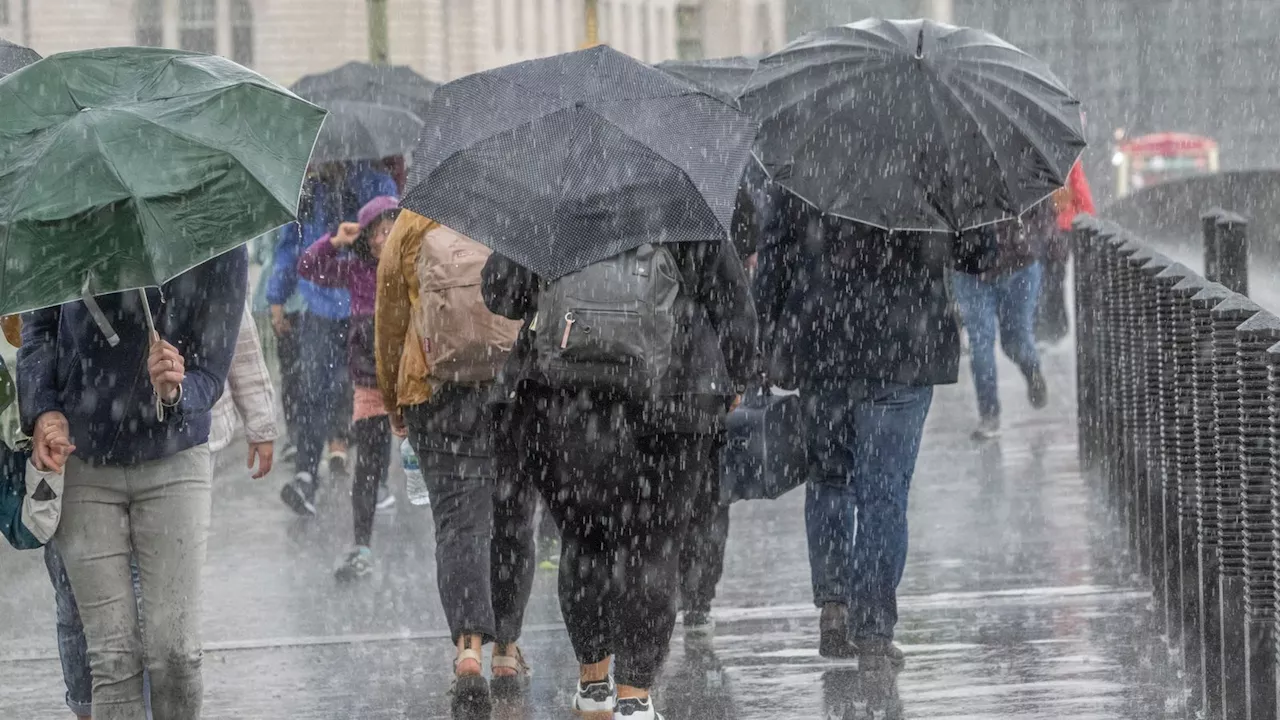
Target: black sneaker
635, 709
1038, 390
355, 565
337, 464
833, 629
596, 697
876, 653
699, 623
300, 494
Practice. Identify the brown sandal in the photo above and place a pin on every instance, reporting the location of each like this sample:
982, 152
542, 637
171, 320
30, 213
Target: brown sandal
510, 672
472, 687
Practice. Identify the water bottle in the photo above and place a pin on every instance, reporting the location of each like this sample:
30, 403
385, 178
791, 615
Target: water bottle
414, 484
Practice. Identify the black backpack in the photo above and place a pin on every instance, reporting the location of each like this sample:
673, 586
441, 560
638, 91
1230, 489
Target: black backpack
610, 325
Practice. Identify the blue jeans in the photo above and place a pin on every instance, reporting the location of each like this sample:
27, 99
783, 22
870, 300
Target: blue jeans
73, 649
1008, 302
865, 441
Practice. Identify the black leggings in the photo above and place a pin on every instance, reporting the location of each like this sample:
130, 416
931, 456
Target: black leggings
373, 455
622, 508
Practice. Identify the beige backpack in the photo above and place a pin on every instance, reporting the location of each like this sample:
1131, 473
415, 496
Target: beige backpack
463, 341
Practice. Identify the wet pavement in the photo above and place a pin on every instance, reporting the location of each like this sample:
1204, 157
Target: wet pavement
1018, 602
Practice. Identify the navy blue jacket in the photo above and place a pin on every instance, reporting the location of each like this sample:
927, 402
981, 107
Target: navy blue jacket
66, 364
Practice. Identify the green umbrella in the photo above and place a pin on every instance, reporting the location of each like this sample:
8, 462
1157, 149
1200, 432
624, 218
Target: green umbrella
121, 168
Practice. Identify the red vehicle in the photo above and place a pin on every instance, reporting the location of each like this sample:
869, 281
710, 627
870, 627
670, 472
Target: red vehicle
1153, 159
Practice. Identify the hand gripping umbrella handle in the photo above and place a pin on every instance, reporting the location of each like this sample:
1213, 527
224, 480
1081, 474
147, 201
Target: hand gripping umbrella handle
153, 336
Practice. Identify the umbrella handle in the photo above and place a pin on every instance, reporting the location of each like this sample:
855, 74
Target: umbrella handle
154, 337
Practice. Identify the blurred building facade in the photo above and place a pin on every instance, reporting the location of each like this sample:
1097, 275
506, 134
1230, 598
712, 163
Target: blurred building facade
1206, 67
443, 39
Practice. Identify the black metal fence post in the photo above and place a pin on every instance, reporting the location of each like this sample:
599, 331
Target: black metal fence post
1209, 231
1133, 404
1086, 251
1164, 448
1226, 318
1149, 458
1202, 304
1184, 444
1255, 336
1233, 252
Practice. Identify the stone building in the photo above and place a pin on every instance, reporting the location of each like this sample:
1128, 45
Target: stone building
443, 39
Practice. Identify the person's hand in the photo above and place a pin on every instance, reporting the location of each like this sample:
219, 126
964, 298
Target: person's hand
737, 400
262, 454
167, 369
346, 235
52, 442
279, 322
397, 425
751, 262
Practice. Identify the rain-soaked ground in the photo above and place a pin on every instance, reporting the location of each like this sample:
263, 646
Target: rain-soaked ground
1018, 603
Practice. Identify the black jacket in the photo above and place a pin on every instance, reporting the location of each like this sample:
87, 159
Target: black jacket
714, 349
840, 301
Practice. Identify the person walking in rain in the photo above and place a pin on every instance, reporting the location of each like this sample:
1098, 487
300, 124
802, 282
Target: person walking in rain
248, 398
335, 194
128, 423
620, 463
858, 319
1004, 298
439, 350
348, 259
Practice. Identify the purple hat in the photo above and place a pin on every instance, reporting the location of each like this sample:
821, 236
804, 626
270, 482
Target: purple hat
374, 209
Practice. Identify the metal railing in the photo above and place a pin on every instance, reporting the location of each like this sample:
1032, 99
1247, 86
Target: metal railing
1179, 407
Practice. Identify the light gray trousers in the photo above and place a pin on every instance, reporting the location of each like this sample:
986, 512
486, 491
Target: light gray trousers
159, 513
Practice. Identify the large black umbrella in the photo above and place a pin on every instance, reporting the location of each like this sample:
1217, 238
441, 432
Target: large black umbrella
561, 162
913, 125
15, 57
725, 77
390, 85
365, 131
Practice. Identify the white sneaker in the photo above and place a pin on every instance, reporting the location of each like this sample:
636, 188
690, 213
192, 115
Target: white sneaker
596, 697
636, 709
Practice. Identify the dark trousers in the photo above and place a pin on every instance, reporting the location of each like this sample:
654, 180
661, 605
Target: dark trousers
326, 388
702, 558
483, 520
1052, 320
373, 456
702, 561
287, 351
622, 502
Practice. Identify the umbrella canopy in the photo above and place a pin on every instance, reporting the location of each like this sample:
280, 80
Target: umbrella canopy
15, 57
562, 162
132, 165
724, 77
364, 131
913, 125
396, 86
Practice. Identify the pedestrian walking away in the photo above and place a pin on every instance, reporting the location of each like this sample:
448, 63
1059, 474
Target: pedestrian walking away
860, 322
1004, 298
335, 193
707, 538
1053, 322
439, 350
143, 494
348, 259
635, 322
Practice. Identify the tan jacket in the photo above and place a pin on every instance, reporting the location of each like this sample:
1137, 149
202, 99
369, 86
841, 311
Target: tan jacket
402, 366
248, 396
